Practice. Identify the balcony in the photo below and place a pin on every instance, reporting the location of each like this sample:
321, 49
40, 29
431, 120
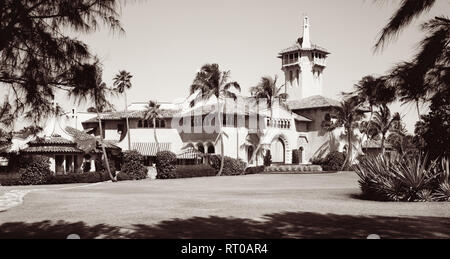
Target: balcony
287, 62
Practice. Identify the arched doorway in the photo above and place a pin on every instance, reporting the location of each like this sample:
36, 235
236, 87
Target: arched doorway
211, 149
300, 155
278, 151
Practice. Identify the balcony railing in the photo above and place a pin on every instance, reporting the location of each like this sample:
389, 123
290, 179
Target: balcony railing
290, 61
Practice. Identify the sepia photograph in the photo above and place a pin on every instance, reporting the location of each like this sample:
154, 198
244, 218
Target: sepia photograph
244, 120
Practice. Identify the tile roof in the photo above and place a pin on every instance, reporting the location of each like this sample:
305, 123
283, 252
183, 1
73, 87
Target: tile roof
131, 114
52, 149
316, 101
54, 140
89, 143
198, 137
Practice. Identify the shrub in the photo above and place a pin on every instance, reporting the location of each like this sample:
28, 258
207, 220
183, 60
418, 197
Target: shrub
268, 158
332, 162
87, 167
231, 166
295, 157
165, 165
134, 171
133, 167
255, 170
190, 171
404, 179
35, 170
100, 165
129, 156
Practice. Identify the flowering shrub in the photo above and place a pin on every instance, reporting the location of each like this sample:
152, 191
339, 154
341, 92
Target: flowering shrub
35, 170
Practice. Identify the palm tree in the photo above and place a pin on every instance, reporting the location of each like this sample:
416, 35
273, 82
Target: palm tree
383, 121
408, 10
267, 89
373, 91
255, 141
348, 114
153, 113
209, 82
122, 82
97, 93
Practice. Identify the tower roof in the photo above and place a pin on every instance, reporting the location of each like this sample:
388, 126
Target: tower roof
298, 46
304, 43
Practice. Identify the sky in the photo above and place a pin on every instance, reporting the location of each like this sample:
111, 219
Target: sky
167, 41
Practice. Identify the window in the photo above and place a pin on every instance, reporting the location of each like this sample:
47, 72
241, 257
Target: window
296, 55
150, 123
140, 124
163, 123
291, 75
224, 120
146, 124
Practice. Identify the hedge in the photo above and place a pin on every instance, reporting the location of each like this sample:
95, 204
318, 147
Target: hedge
91, 177
191, 171
255, 170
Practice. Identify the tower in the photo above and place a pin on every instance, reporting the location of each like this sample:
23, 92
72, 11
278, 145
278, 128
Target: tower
303, 65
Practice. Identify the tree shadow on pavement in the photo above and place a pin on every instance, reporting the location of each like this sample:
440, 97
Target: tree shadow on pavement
273, 226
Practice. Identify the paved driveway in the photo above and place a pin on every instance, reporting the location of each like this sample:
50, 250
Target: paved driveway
270, 206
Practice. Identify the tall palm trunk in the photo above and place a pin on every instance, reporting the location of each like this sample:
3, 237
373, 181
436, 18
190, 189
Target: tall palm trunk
417, 107
127, 121
154, 134
113, 178
383, 139
254, 156
349, 150
222, 158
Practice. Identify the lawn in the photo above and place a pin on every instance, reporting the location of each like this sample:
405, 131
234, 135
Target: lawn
254, 206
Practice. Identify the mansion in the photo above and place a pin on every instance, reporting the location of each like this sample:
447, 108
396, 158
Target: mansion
299, 126
181, 128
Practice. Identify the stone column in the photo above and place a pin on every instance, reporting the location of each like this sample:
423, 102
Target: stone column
52, 164
93, 169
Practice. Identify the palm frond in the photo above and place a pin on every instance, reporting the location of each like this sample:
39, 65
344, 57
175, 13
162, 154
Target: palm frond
408, 10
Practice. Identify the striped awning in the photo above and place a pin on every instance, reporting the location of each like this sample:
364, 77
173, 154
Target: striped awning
189, 153
150, 148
